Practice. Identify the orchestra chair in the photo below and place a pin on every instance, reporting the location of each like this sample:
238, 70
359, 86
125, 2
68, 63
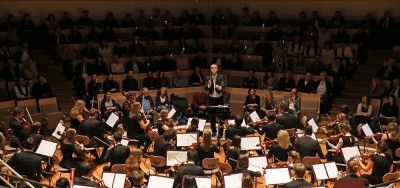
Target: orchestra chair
310, 104
158, 162
308, 161
6, 107
350, 183
85, 141
128, 183
61, 170
30, 104
118, 168
210, 166
225, 168
51, 121
390, 177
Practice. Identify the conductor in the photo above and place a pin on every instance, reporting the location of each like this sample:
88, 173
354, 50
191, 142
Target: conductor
214, 85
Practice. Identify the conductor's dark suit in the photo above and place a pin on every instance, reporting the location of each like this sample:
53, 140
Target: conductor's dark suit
215, 101
189, 169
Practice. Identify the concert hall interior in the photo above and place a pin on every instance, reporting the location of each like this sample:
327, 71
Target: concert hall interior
199, 93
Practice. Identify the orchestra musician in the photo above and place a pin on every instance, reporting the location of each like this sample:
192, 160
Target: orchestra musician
194, 127
164, 142
233, 151
35, 129
299, 171
189, 169
117, 153
133, 162
199, 104
62, 183
138, 179
270, 129
287, 119
86, 172
352, 168
206, 149
136, 127
215, 85
392, 139
280, 150
127, 105
293, 158
237, 129
252, 102
78, 114
243, 164
93, 128
341, 118
17, 128
27, 162
68, 149
147, 105
162, 123
307, 146
270, 104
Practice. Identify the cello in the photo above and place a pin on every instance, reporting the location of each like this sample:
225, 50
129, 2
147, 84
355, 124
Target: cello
150, 126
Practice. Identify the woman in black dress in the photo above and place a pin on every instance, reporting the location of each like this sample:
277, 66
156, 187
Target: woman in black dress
243, 164
108, 106
136, 127
233, 151
347, 140
68, 148
252, 102
162, 99
280, 150
392, 139
78, 114
206, 149
389, 111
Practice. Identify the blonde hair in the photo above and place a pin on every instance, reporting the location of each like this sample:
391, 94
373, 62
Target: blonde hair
133, 161
283, 139
137, 177
76, 110
342, 118
352, 166
135, 110
295, 156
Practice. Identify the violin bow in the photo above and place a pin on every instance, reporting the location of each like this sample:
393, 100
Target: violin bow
29, 115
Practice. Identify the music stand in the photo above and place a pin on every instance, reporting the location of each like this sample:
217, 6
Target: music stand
221, 112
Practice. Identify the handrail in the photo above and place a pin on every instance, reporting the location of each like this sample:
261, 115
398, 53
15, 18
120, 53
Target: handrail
386, 183
27, 181
16, 174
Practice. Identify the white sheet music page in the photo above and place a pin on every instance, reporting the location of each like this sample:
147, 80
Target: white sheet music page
125, 142
257, 163
203, 182
332, 170
320, 172
313, 125
59, 129
81, 186
367, 130
313, 136
250, 143
171, 113
275, 176
112, 120
176, 157
108, 179
349, 152
233, 180
186, 139
119, 180
47, 148
202, 124
254, 117
158, 181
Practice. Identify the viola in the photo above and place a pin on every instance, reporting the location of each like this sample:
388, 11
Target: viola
280, 164
25, 125
259, 123
268, 143
335, 137
175, 167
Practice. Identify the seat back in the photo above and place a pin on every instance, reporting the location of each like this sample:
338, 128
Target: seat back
309, 161
350, 183
48, 105
6, 108
53, 118
30, 104
226, 168
390, 177
376, 104
118, 168
210, 163
157, 161
82, 139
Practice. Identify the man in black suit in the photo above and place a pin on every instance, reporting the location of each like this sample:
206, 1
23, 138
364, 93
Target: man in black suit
287, 120
164, 142
134, 65
93, 128
306, 85
307, 146
42, 88
85, 171
231, 131
189, 169
251, 81
270, 129
94, 87
130, 83
27, 162
16, 127
116, 154
215, 85
299, 170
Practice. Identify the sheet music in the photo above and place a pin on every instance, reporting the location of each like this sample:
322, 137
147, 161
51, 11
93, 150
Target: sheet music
314, 137
59, 129
254, 117
367, 130
233, 180
250, 143
299, 135
320, 172
81, 186
332, 170
275, 176
313, 125
176, 157
202, 124
125, 142
349, 152
171, 113
108, 179
203, 182
158, 181
47, 148
257, 163
232, 121
112, 120
186, 139
119, 180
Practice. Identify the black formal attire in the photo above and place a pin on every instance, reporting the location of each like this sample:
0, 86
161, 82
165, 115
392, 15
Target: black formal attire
389, 75
150, 83
195, 79
393, 145
93, 89
287, 120
136, 67
250, 100
250, 82
93, 128
298, 183
265, 50
103, 108
351, 177
126, 108
161, 105
215, 97
100, 68
307, 146
161, 145
389, 111
27, 163
202, 153
270, 130
110, 84
232, 153
279, 153
231, 131
381, 167
130, 84
137, 49
189, 169
348, 141
135, 131
85, 181
40, 90
18, 131
68, 161
116, 155
286, 85
304, 86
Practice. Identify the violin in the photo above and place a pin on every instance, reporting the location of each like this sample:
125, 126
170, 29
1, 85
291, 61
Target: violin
334, 138
25, 125
175, 167
280, 164
268, 143
378, 135
259, 123
84, 113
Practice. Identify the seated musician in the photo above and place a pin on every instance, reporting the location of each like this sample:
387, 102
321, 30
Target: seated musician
127, 105
199, 104
35, 129
293, 158
381, 163
252, 102
206, 149
138, 179
147, 105
162, 99
85, 171
78, 114
27, 162
270, 104
287, 119
243, 164
194, 127
189, 169
237, 129
340, 119
137, 126
392, 139
280, 150
300, 171
162, 123
233, 151
307, 146
133, 162
68, 149
117, 153
347, 140
93, 128
62, 183
270, 129
17, 128
164, 143
352, 168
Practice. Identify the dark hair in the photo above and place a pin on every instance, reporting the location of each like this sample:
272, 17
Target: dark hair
62, 183
192, 155
243, 161
248, 91
345, 109
236, 142
238, 120
170, 133
85, 168
308, 130
284, 106
17, 110
383, 147
195, 123
117, 136
271, 116
30, 143
189, 182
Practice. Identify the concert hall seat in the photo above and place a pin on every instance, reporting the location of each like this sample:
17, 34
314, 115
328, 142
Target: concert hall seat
118, 168
4, 91
6, 108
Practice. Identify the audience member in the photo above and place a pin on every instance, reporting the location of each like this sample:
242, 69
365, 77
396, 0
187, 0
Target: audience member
42, 88
180, 81
130, 83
